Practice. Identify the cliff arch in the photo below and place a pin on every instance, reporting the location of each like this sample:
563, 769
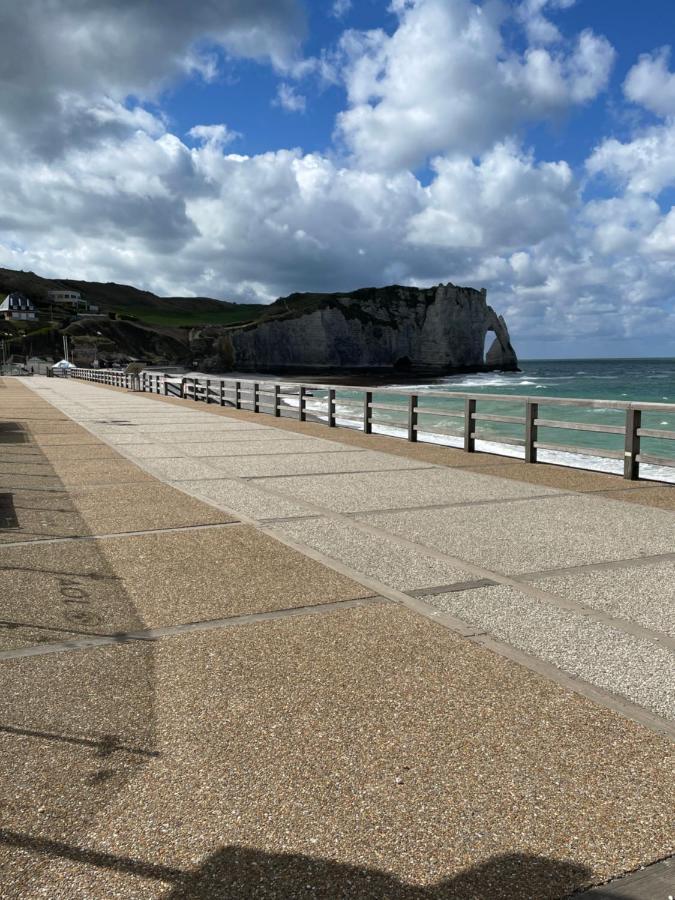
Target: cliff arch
501, 354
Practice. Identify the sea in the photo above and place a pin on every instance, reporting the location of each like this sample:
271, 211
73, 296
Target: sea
647, 380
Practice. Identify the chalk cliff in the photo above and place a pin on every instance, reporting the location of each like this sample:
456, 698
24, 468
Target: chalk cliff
435, 330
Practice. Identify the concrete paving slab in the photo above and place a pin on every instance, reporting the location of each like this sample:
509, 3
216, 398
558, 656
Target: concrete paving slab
115, 470
152, 451
641, 593
82, 451
397, 566
662, 496
12, 483
111, 509
632, 667
556, 532
263, 442
51, 427
566, 479
310, 463
66, 440
367, 753
127, 583
206, 424
384, 490
132, 436
180, 468
27, 466
245, 499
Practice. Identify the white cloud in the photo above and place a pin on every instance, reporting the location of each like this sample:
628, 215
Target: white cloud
289, 99
444, 82
651, 84
215, 135
504, 201
641, 165
340, 8
103, 51
96, 186
661, 242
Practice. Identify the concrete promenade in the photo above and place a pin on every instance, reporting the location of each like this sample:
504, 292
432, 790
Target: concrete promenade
246, 657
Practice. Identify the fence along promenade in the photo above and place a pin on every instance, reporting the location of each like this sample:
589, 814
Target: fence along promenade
270, 397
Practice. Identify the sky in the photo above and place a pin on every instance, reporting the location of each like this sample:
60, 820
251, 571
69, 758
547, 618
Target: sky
246, 149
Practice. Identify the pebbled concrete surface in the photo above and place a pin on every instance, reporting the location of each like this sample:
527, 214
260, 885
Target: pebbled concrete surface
642, 594
366, 749
340, 742
385, 490
555, 532
632, 667
377, 557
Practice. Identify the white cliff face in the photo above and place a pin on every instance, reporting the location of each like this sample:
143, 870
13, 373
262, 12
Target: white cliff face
438, 329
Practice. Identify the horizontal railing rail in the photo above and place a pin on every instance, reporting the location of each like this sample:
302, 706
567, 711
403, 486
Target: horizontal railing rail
290, 399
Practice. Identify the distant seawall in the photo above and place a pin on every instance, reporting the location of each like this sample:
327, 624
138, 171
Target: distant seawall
426, 330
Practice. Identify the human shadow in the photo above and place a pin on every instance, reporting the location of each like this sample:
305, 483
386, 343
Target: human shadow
241, 873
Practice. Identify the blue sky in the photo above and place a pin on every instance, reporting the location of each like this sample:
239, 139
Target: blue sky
244, 150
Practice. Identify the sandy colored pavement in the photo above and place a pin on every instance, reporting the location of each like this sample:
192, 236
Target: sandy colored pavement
192, 708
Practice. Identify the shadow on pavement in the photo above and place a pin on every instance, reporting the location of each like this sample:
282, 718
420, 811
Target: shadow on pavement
240, 873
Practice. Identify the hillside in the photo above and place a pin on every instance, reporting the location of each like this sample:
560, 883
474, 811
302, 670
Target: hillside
130, 301
394, 328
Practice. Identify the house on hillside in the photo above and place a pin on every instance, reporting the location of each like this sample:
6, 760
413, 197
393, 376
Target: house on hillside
65, 297
17, 306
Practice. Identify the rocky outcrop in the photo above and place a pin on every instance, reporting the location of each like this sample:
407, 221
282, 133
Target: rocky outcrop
434, 330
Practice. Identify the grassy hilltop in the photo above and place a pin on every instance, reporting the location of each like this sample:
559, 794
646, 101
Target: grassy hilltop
124, 300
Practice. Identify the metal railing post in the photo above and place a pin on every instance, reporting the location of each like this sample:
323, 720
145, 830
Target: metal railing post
194, 389
367, 418
412, 417
469, 411
208, 391
331, 408
531, 413
256, 397
222, 392
237, 395
301, 403
277, 400
631, 465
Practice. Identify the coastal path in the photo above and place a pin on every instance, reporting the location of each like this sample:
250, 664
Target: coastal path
241, 660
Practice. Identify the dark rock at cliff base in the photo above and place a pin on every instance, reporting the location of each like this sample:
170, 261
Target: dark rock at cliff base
405, 329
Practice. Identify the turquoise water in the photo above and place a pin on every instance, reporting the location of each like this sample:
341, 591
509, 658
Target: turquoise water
647, 380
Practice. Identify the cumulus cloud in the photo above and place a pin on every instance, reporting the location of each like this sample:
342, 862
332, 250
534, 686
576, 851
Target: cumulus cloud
128, 200
651, 84
289, 99
502, 202
216, 135
444, 81
340, 8
92, 49
641, 165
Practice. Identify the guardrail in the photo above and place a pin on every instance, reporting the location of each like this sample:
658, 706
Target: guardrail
278, 399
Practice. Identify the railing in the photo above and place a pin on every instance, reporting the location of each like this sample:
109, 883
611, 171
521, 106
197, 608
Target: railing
289, 399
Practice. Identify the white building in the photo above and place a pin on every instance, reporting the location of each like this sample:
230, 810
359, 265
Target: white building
17, 306
65, 296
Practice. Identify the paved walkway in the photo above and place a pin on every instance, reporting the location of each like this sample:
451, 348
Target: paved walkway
214, 665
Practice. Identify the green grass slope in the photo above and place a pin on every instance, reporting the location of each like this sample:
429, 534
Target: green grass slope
173, 312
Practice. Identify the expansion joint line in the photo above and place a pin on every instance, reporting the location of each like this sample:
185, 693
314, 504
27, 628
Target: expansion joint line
154, 634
